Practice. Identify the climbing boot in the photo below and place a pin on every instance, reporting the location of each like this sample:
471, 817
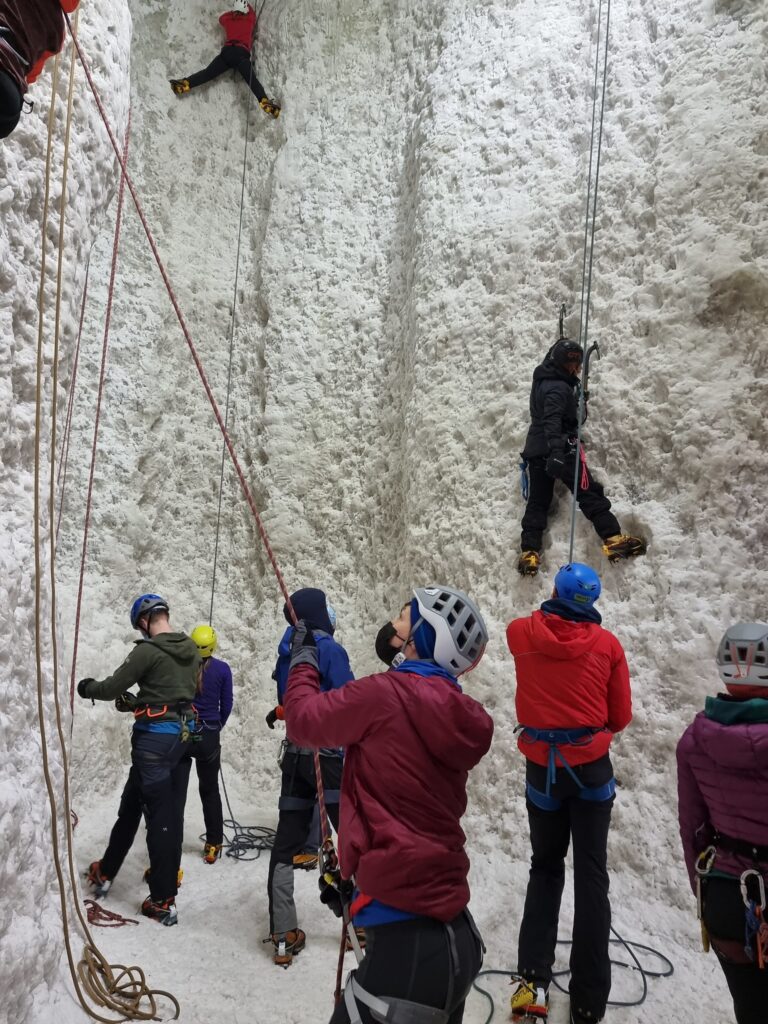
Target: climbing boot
583, 1017
305, 861
180, 85
212, 852
622, 545
530, 1002
287, 946
270, 107
528, 563
163, 911
95, 877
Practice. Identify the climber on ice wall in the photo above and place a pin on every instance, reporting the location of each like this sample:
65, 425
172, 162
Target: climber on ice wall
239, 24
31, 31
550, 455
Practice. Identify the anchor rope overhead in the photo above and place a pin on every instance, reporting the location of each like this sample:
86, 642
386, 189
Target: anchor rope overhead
201, 372
97, 416
233, 324
590, 221
93, 976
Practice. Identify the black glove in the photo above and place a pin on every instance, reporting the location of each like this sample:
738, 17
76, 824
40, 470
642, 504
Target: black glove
335, 891
125, 702
271, 718
82, 687
303, 646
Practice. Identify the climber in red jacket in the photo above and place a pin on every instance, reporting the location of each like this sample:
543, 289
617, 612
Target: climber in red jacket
411, 736
239, 24
30, 33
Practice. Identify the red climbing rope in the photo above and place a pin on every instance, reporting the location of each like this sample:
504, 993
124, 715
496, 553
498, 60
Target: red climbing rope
106, 918
64, 460
102, 376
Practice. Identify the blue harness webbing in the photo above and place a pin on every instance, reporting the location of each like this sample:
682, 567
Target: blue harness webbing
556, 738
524, 485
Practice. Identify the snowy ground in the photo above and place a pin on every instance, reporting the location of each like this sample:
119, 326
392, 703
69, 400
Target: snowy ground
412, 223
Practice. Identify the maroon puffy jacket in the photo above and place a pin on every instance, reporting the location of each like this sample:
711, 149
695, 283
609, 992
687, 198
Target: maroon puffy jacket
410, 741
569, 674
37, 32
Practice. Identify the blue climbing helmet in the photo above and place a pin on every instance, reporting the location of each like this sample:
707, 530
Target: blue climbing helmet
146, 605
578, 583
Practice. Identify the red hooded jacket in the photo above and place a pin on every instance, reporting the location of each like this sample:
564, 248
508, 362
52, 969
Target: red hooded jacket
410, 741
37, 34
569, 674
239, 28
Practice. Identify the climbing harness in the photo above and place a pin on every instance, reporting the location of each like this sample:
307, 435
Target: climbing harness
755, 947
666, 971
556, 739
590, 221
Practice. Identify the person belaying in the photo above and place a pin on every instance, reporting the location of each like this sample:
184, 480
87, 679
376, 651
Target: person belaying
722, 785
30, 33
298, 791
411, 737
550, 454
239, 25
573, 695
166, 666
306, 859
213, 704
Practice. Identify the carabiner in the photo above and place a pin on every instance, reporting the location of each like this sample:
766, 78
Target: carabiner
743, 884
703, 869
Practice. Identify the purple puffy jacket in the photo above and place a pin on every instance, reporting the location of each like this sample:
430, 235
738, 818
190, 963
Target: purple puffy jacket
722, 780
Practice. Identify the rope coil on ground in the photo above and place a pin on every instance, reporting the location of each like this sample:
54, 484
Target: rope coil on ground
120, 989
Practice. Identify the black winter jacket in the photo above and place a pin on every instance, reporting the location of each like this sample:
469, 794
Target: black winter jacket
554, 410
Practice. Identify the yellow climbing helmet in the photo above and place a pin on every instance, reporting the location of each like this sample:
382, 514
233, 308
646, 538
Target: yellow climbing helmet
204, 638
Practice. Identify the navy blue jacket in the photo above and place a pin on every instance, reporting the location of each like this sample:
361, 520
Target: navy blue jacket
214, 702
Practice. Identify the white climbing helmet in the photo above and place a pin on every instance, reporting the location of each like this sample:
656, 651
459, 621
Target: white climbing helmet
240, 5
742, 657
460, 632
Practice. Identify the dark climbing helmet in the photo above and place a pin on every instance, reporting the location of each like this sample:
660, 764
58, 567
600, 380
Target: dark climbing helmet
565, 353
146, 605
742, 657
456, 634
578, 583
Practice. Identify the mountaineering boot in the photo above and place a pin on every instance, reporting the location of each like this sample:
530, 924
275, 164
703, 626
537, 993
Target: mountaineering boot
180, 85
287, 946
579, 1016
530, 1002
179, 876
528, 563
270, 107
163, 911
622, 545
101, 884
305, 861
212, 852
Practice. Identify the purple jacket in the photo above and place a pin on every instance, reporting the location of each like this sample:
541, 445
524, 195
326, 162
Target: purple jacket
722, 780
214, 702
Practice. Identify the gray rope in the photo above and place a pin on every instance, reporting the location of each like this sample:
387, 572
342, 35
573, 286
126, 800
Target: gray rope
231, 344
589, 244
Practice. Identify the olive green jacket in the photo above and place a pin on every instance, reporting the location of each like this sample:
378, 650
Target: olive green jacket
165, 668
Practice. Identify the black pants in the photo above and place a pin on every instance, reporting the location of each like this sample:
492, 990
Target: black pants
592, 502
10, 104
724, 918
235, 58
551, 831
124, 830
414, 960
298, 796
163, 768
207, 756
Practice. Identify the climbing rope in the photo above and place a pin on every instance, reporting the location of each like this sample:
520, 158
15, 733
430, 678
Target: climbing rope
97, 914
97, 416
590, 221
645, 972
231, 341
324, 825
246, 838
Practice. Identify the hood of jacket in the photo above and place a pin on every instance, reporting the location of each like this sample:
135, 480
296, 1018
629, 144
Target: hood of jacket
550, 371
734, 734
562, 639
178, 646
310, 604
454, 727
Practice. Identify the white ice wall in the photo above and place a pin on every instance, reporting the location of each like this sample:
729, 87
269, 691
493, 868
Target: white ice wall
34, 980
412, 223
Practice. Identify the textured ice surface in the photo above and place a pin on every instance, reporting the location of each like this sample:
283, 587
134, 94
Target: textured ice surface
411, 225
